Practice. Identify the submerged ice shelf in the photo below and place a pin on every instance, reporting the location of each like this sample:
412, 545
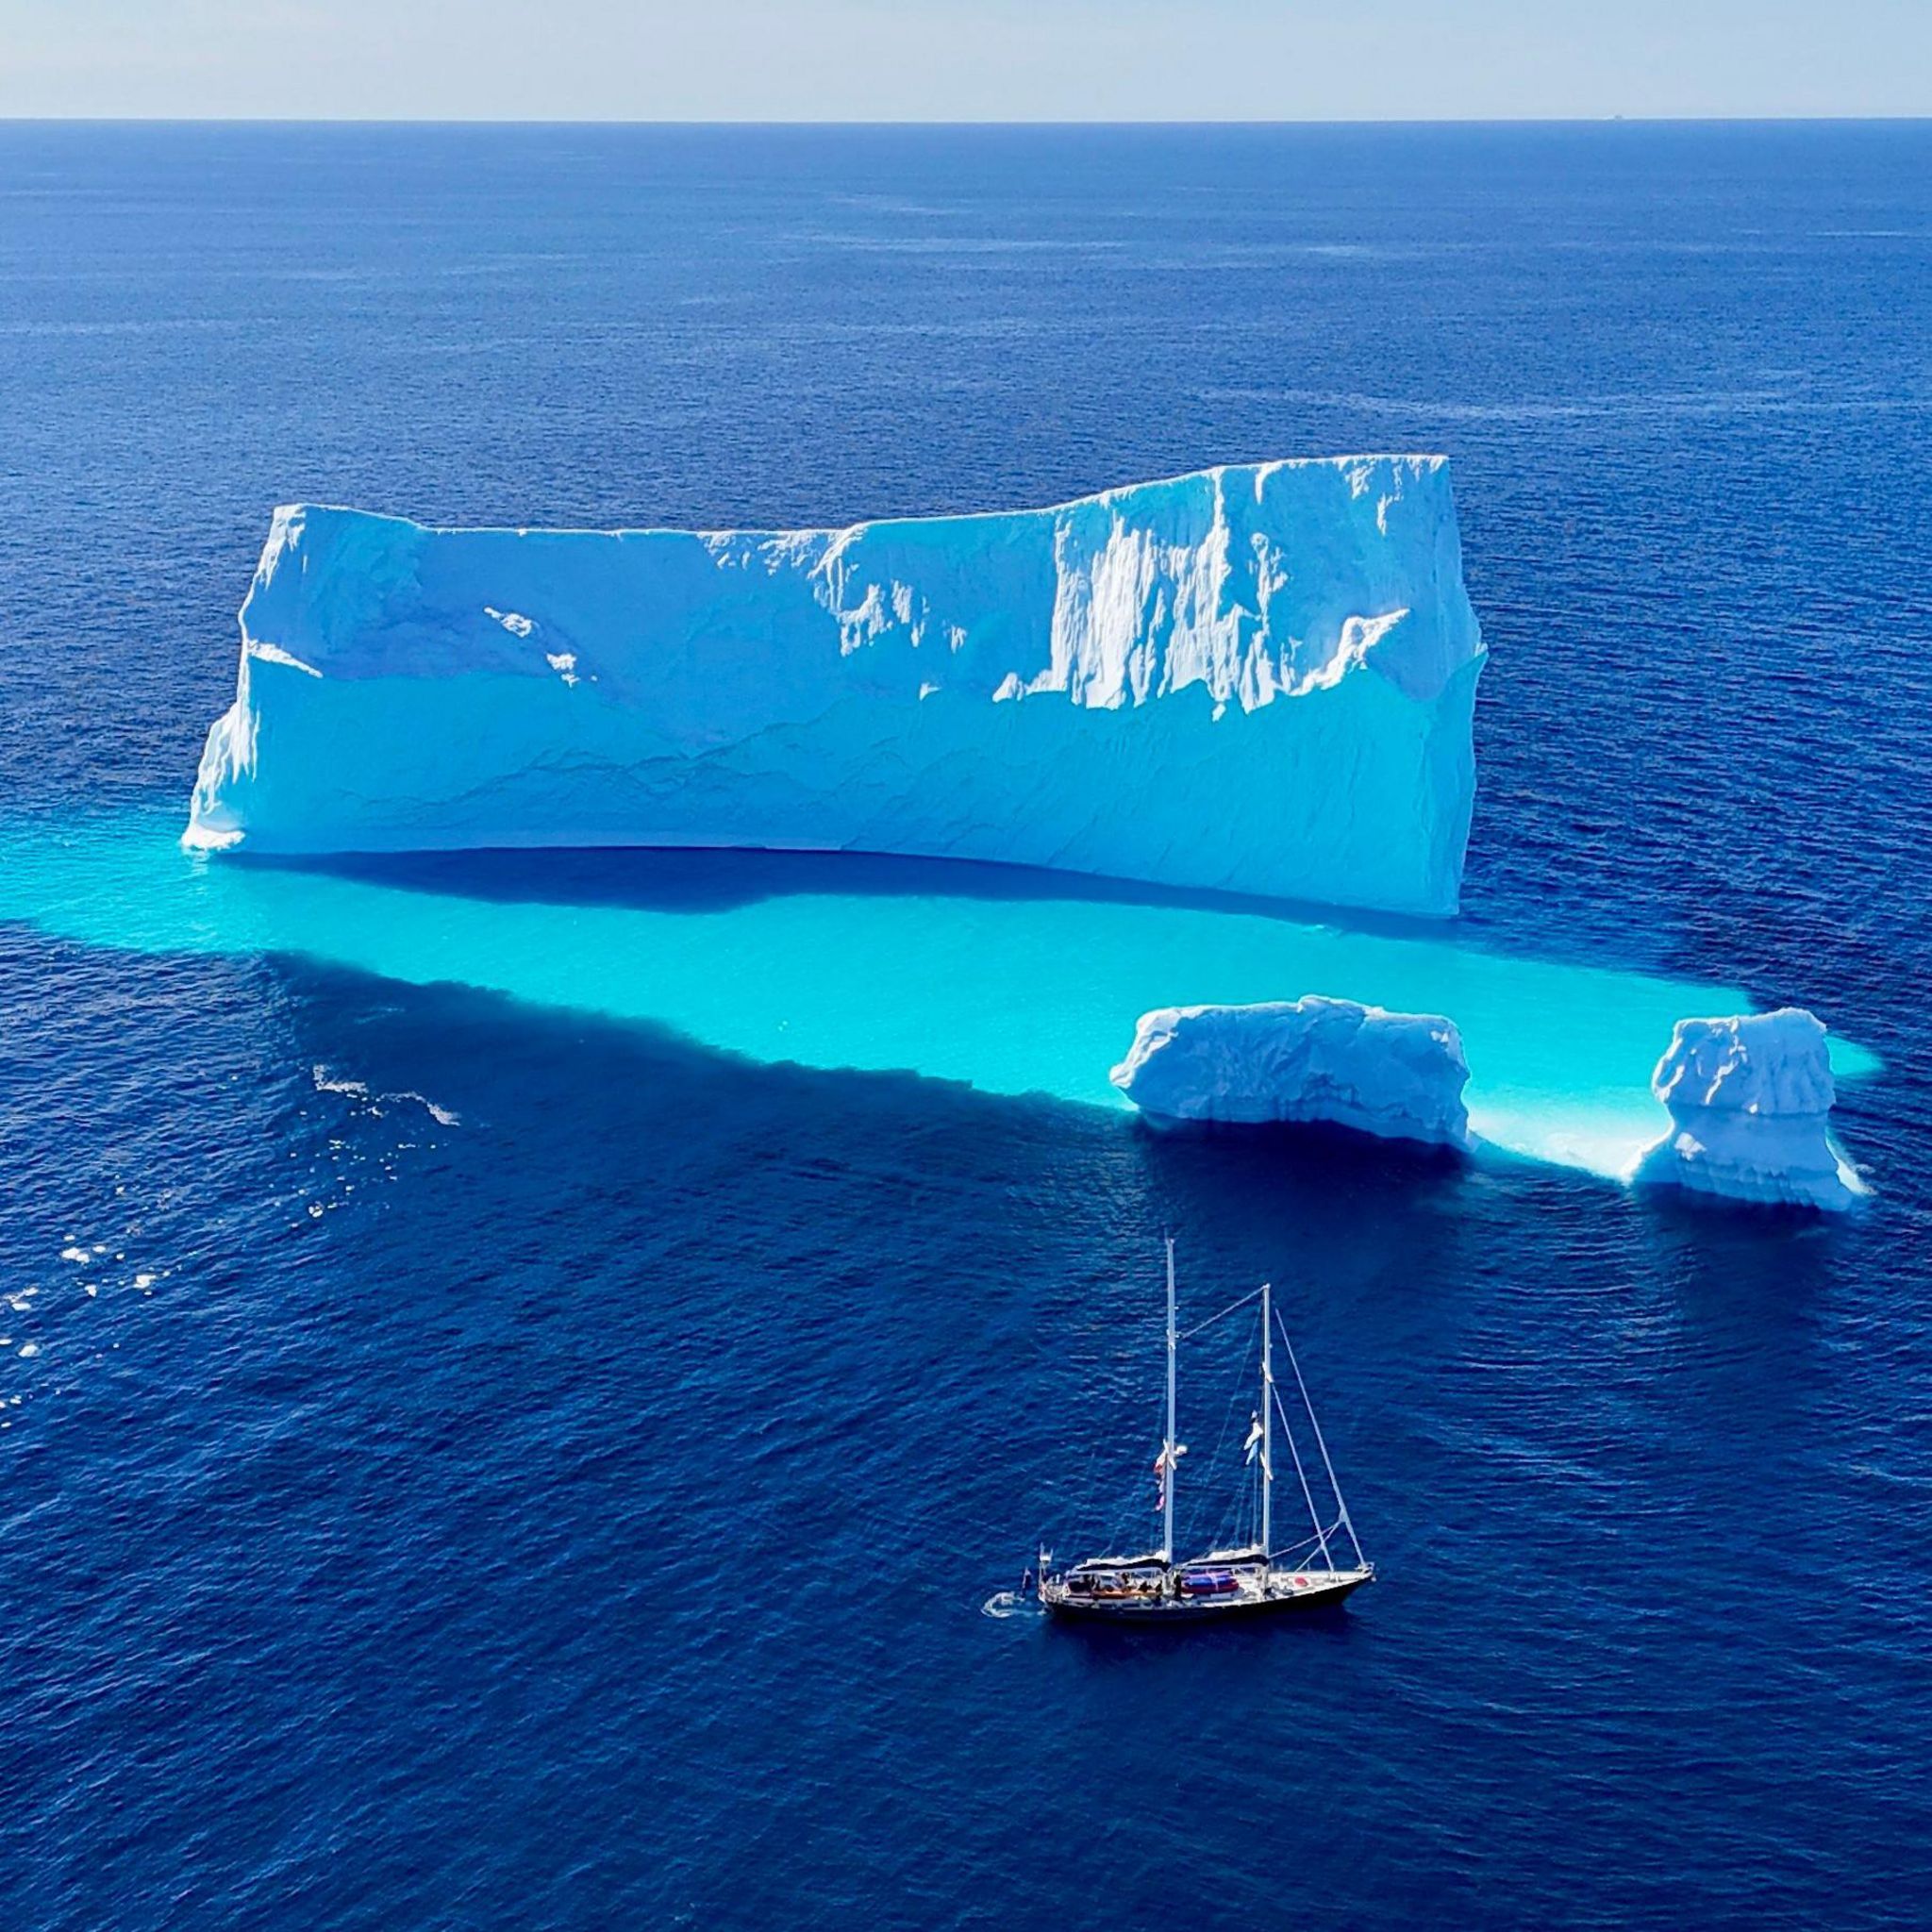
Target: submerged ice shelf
1012, 983
1258, 678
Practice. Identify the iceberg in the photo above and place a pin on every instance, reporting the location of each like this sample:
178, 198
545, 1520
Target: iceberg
1397, 1075
1257, 679
1750, 1099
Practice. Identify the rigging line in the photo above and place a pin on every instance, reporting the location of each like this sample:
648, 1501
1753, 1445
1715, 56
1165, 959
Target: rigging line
1228, 1415
1234, 1403
1307, 1494
1253, 1295
1228, 1531
1234, 1510
1284, 1558
1237, 1396
1237, 1399
1322, 1445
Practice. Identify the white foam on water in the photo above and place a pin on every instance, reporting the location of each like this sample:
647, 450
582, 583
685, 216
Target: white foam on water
1004, 1603
442, 1116
328, 1082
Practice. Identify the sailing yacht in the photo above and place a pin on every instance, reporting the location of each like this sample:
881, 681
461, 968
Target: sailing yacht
1157, 1588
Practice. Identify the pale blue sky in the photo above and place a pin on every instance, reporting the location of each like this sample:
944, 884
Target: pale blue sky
964, 59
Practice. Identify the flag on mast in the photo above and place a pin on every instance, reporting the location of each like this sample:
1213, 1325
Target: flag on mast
1161, 1466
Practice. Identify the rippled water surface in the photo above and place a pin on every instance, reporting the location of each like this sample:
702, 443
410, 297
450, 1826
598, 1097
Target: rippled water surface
519, 1378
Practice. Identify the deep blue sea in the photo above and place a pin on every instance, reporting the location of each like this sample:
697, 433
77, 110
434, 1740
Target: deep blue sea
478, 1459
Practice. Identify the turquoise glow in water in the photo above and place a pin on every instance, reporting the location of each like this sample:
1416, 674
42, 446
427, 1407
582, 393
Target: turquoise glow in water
1020, 996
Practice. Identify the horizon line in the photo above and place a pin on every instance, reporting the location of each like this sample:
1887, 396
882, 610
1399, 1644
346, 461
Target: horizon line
1715, 119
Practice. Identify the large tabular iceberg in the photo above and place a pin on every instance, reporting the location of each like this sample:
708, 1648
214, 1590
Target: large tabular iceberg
1399, 1076
1750, 1100
1254, 679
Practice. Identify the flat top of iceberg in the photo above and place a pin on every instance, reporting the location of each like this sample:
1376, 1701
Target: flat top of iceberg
1761, 1063
1418, 461
1250, 581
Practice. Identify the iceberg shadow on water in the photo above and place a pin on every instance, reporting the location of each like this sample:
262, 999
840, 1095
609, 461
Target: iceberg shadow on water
709, 879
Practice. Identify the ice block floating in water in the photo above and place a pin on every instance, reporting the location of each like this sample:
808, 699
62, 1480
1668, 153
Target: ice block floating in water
1256, 678
1398, 1076
1750, 1099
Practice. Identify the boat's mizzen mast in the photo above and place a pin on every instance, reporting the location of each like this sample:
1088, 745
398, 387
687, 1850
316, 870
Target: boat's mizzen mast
1168, 1453
1329, 1467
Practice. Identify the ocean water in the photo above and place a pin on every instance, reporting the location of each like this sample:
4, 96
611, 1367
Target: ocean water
520, 1375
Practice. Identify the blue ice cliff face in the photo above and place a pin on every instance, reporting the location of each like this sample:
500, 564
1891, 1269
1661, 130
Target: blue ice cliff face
1398, 1076
1253, 678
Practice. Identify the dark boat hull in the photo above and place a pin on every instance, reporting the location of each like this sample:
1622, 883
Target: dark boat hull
1173, 1611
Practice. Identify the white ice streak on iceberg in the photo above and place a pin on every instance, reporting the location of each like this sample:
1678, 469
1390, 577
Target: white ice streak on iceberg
1750, 1099
1256, 678
1399, 1076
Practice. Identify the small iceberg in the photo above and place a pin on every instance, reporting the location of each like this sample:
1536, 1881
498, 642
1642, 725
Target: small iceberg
1750, 1099
1397, 1075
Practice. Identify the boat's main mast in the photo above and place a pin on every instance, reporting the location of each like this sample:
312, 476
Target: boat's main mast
1168, 1458
1267, 1429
